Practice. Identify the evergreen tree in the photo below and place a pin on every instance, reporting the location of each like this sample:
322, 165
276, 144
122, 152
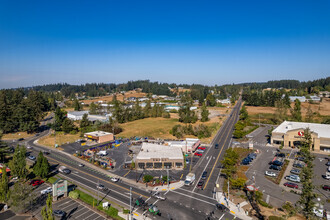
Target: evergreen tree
77, 106
47, 211
205, 113
21, 196
4, 149
210, 100
309, 114
41, 167
4, 187
92, 109
286, 100
243, 114
307, 195
18, 163
60, 116
281, 112
84, 123
147, 109
186, 115
296, 111
68, 126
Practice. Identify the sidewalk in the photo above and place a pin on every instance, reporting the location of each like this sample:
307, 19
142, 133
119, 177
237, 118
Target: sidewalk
238, 212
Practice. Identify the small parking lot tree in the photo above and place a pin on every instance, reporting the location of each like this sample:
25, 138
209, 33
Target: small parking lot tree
147, 178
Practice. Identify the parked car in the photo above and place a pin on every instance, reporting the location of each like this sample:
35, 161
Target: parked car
46, 191
187, 161
328, 168
204, 175
328, 163
114, 179
277, 163
252, 156
200, 184
246, 161
36, 182
300, 158
198, 154
216, 146
201, 148
199, 151
295, 171
270, 173
29, 147
222, 207
298, 165
291, 185
274, 167
293, 178
59, 213
280, 155
326, 187
32, 157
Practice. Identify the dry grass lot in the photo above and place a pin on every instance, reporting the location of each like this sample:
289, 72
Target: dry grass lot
323, 108
120, 97
17, 135
60, 139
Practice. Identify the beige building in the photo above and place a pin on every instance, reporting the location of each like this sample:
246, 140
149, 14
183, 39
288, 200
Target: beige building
155, 156
292, 133
99, 136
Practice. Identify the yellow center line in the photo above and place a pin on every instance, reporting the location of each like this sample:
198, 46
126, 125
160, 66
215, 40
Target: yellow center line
127, 173
100, 178
219, 153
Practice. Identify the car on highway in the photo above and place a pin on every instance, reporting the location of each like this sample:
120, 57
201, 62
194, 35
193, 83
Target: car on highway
291, 185
29, 147
59, 213
114, 179
216, 146
200, 184
326, 187
100, 187
270, 173
66, 171
81, 165
204, 175
36, 182
198, 154
222, 207
45, 152
20, 139
274, 167
157, 195
295, 171
201, 148
46, 191
32, 157
187, 161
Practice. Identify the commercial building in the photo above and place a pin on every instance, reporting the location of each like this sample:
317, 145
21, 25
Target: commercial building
292, 133
187, 146
76, 115
300, 98
99, 136
223, 101
155, 156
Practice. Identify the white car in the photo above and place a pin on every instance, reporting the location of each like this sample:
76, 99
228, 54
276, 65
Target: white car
29, 147
328, 168
114, 179
46, 191
270, 173
158, 196
81, 165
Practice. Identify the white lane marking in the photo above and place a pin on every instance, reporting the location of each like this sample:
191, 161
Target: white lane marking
193, 198
195, 193
96, 190
222, 216
201, 174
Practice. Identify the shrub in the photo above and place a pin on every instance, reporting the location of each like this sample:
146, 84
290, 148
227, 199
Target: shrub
289, 209
147, 178
74, 195
265, 204
166, 115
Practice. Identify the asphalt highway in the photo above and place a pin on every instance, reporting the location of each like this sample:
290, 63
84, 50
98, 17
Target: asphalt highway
182, 203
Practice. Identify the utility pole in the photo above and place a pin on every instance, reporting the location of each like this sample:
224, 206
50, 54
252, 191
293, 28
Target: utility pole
130, 203
228, 190
168, 178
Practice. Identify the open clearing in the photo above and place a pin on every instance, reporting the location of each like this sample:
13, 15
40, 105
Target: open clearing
120, 97
61, 139
12, 136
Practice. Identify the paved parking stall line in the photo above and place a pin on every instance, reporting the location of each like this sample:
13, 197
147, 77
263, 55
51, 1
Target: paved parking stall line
99, 217
64, 203
91, 215
84, 213
74, 203
83, 209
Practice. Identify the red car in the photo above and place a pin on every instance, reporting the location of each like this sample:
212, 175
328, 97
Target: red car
291, 185
198, 154
201, 148
326, 187
36, 182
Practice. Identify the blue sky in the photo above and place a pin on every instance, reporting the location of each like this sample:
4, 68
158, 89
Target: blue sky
208, 42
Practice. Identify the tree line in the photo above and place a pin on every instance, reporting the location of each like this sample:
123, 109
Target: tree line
23, 112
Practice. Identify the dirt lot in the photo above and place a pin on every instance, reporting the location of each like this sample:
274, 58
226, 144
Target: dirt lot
120, 97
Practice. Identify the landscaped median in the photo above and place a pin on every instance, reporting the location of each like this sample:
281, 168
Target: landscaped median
279, 177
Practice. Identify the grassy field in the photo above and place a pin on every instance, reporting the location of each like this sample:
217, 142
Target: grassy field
152, 127
17, 135
60, 139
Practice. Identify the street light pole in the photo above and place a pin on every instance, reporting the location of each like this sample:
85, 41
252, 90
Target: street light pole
130, 203
228, 189
168, 178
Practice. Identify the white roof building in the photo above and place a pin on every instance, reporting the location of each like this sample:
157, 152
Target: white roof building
189, 145
76, 115
300, 98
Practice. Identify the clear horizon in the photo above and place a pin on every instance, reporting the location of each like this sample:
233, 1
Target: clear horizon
201, 42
